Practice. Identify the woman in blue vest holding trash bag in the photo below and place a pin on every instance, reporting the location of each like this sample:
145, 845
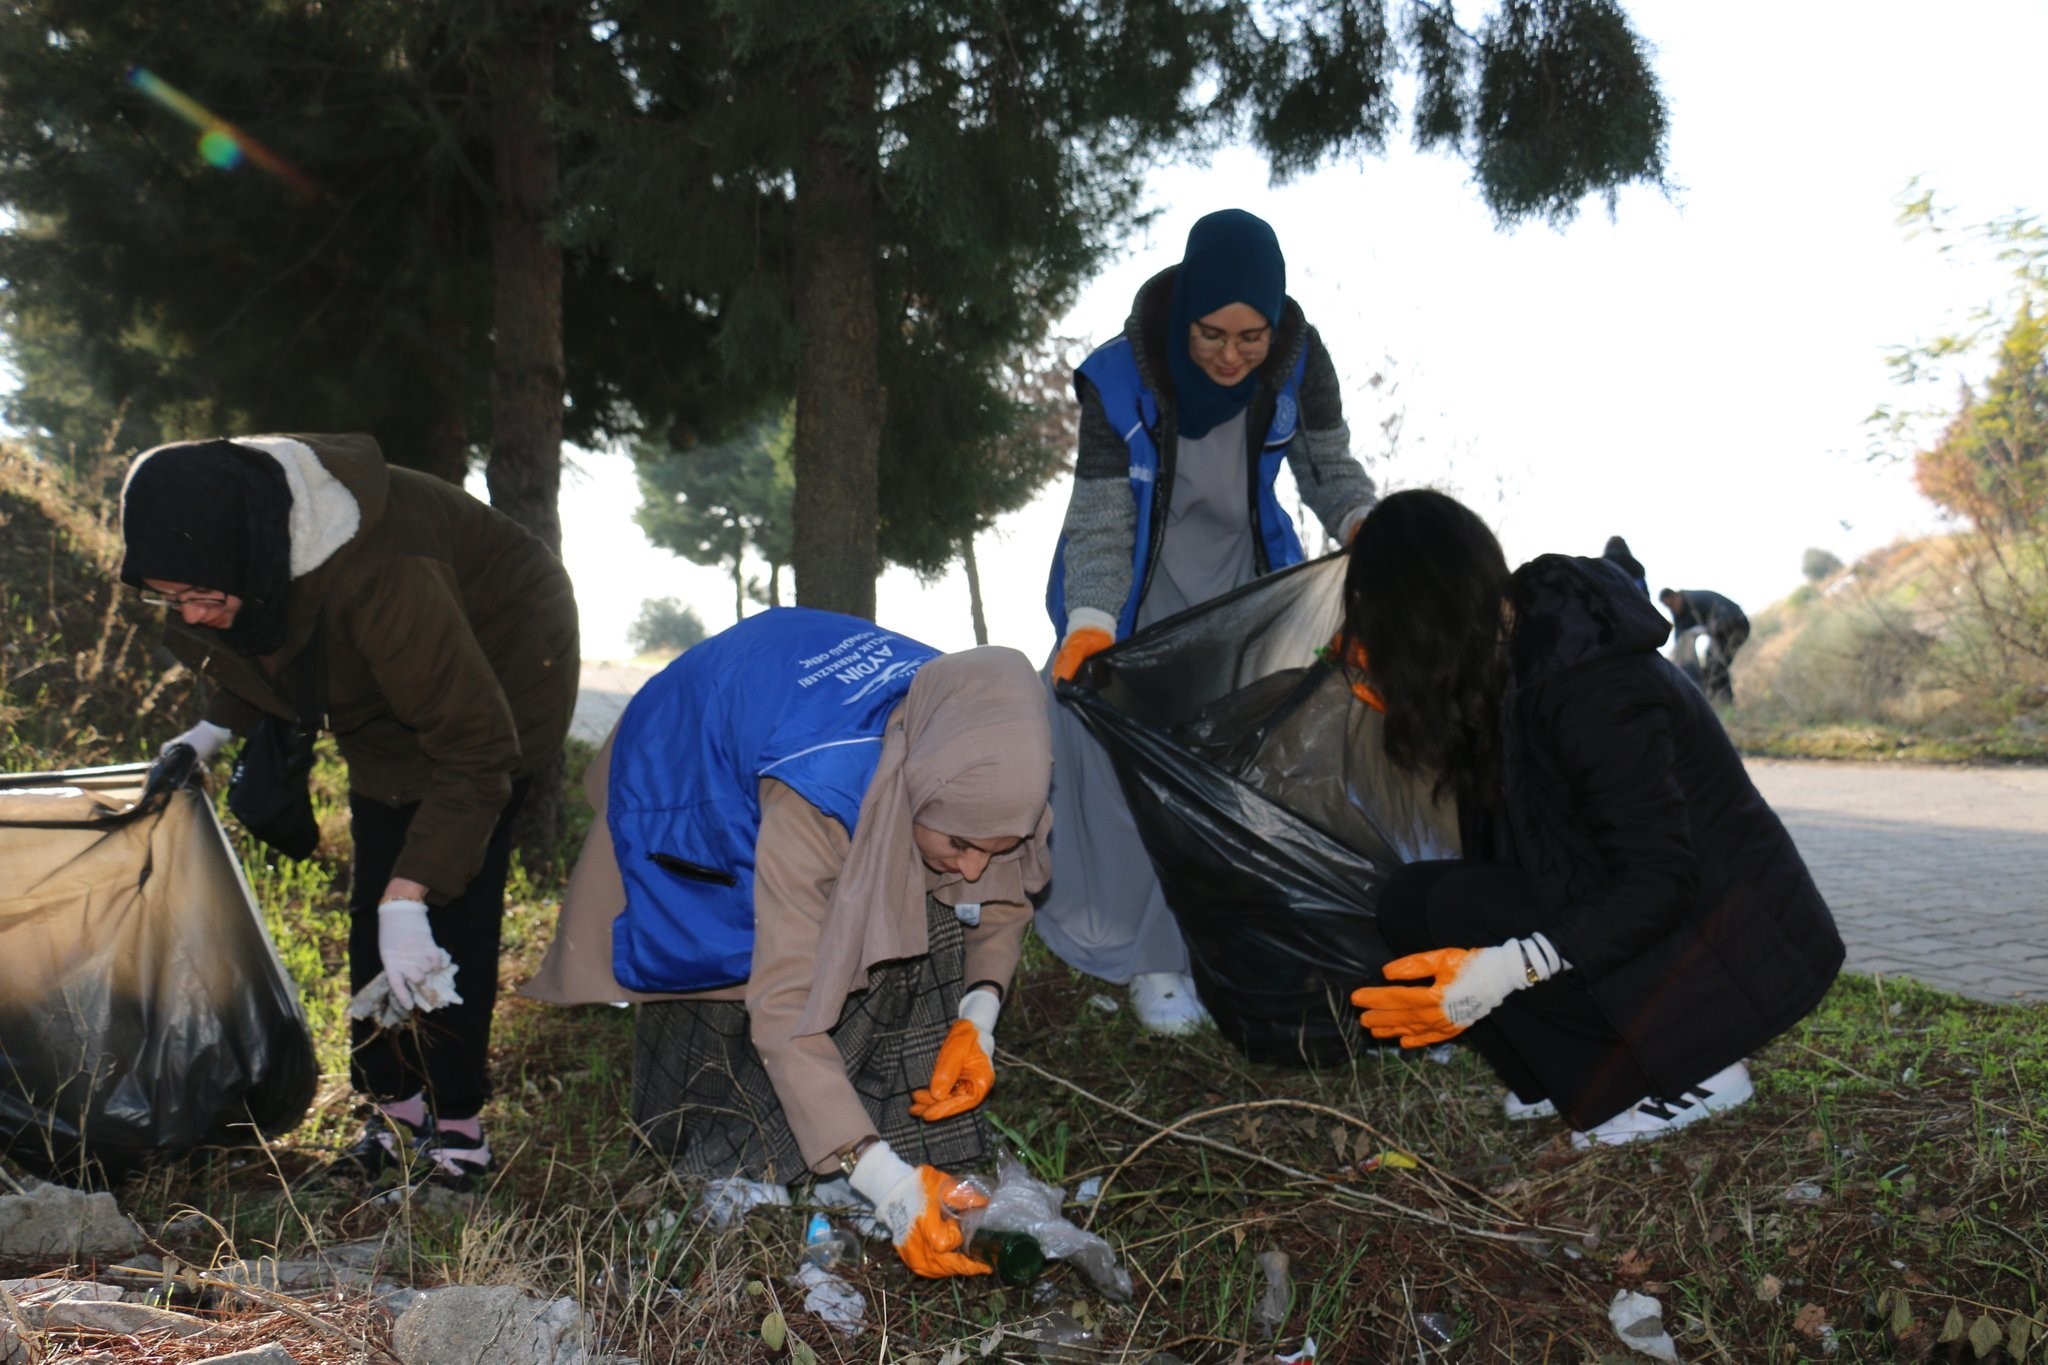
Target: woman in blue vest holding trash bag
814, 859
1185, 420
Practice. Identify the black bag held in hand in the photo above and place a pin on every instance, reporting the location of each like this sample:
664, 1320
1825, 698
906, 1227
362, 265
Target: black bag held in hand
269, 791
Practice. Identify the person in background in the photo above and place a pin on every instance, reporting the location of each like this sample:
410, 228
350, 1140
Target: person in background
1629, 920
1697, 610
1617, 553
815, 847
1185, 420
449, 639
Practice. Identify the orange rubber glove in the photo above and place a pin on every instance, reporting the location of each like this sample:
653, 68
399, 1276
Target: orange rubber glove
1467, 985
1349, 655
966, 1069
921, 1207
1077, 648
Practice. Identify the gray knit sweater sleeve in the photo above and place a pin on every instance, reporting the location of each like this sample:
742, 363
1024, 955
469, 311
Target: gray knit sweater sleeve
1333, 484
1101, 526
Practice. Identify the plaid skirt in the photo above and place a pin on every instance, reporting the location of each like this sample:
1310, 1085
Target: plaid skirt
703, 1101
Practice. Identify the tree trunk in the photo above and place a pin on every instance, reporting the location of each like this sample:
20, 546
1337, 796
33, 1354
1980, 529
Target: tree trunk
525, 469
446, 452
839, 397
774, 585
974, 589
739, 590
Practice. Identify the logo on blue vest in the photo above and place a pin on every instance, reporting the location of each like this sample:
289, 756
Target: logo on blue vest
1285, 413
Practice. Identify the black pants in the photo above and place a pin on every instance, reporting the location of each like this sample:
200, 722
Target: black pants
1721, 647
1550, 1041
445, 1052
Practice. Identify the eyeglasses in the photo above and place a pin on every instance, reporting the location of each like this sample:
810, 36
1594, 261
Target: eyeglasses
1206, 339
176, 601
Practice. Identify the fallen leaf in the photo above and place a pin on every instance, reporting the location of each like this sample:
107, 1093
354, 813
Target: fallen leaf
1632, 1264
774, 1331
1812, 1317
1985, 1336
1768, 1288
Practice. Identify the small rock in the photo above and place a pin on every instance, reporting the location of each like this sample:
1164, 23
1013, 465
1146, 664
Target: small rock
498, 1325
118, 1319
1270, 1312
51, 1222
1804, 1192
269, 1354
50, 1288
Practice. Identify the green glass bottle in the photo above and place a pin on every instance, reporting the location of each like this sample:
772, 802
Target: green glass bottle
1016, 1256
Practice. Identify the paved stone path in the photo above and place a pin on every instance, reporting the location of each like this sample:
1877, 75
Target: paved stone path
1940, 874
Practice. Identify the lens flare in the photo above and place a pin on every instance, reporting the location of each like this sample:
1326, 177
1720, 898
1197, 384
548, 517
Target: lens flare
221, 144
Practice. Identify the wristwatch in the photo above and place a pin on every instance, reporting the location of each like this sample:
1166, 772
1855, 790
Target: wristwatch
849, 1156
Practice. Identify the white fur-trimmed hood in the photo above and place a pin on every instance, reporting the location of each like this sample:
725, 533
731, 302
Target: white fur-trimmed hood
325, 515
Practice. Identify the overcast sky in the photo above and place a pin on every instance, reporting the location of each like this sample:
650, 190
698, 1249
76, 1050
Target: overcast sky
1693, 374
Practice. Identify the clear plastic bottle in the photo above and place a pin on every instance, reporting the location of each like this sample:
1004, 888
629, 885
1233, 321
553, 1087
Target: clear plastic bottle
828, 1247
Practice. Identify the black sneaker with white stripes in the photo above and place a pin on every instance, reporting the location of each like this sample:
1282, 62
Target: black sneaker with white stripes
454, 1161
386, 1144
1656, 1116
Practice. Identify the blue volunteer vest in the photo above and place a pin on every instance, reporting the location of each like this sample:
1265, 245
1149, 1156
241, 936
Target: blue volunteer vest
1133, 410
795, 694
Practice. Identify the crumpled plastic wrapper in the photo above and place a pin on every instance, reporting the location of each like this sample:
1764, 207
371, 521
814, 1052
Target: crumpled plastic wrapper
1639, 1321
376, 1002
1022, 1203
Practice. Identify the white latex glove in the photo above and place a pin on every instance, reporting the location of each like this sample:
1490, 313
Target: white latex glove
206, 739
411, 957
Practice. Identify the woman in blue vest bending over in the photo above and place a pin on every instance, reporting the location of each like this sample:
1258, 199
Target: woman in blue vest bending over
814, 859
1185, 419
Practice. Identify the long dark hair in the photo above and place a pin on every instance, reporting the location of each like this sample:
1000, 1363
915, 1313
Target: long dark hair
1424, 595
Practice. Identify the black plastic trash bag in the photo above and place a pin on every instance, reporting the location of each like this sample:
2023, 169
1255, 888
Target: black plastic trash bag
143, 1008
1261, 790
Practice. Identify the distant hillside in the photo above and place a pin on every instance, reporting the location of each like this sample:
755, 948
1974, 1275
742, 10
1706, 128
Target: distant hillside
1882, 659
82, 677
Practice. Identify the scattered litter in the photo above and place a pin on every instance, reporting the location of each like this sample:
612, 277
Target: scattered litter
1271, 1310
728, 1198
1441, 1054
376, 1002
1088, 1191
832, 1299
1108, 1004
1804, 1192
1399, 1161
1019, 1202
1768, 1289
1434, 1329
827, 1246
1306, 1354
1639, 1321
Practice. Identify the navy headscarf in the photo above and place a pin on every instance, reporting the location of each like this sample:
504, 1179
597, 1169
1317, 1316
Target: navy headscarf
1232, 257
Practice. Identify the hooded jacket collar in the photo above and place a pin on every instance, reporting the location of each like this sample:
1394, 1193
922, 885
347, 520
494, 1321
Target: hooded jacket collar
1571, 611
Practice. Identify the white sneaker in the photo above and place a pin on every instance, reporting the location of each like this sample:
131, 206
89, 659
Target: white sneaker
1165, 1002
1654, 1117
1520, 1110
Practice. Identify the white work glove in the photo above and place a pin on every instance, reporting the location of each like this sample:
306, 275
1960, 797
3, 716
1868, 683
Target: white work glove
206, 739
419, 970
1468, 984
911, 1202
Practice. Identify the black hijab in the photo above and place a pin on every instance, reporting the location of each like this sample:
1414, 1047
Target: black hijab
217, 516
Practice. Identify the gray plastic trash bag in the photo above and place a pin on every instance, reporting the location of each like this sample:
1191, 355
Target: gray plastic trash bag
143, 1008
1261, 790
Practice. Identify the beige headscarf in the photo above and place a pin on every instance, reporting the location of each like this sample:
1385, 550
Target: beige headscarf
969, 753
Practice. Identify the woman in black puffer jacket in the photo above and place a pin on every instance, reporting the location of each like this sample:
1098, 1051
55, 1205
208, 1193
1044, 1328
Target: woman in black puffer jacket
1630, 919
